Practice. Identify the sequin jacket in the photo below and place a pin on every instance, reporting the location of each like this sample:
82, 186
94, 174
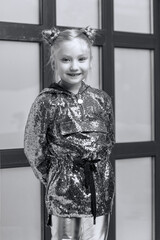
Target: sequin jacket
68, 141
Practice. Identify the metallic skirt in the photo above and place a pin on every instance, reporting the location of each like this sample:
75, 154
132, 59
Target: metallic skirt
80, 228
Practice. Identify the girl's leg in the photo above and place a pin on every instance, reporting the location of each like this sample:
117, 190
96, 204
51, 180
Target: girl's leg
65, 228
56, 228
99, 231
80, 228
76, 228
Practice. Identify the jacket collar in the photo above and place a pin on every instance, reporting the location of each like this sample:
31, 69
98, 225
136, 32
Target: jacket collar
60, 88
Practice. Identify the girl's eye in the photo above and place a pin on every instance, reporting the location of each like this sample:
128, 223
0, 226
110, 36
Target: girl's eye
82, 59
65, 60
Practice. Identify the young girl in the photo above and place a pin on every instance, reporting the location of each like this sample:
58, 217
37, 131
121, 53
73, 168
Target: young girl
69, 136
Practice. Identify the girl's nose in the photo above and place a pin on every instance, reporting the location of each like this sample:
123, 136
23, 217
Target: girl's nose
74, 66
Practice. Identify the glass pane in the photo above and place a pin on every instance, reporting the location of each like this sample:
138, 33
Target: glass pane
134, 199
133, 95
94, 76
133, 16
26, 11
81, 13
19, 85
19, 205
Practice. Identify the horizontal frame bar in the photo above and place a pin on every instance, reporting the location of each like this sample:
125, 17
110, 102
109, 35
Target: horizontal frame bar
134, 40
20, 32
32, 32
12, 158
135, 150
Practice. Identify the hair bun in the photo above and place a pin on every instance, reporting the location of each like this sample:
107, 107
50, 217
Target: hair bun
50, 35
90, 33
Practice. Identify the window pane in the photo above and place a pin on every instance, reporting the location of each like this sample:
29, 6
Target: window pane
133, 95
133, 16
94, 76
134, 199
19, 205
79, 13
19, 85
26, 11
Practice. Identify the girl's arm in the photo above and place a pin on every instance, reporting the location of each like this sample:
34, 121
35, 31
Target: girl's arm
35, 142
110, 126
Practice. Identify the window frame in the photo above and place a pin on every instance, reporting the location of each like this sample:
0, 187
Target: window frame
108, 40
149, 148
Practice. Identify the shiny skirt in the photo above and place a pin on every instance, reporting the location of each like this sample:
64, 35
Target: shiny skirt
80, 228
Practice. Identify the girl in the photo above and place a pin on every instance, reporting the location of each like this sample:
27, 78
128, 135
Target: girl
69, 136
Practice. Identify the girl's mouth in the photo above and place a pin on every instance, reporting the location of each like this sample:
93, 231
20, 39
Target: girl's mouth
74, 74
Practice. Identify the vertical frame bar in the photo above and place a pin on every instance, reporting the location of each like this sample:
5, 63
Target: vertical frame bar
108, 48
108, 74
156, 9
49, 21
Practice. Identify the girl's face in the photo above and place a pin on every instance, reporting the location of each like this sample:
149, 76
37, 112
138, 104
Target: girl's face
73, 61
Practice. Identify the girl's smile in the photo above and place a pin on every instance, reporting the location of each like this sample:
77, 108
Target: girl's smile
74, 75
72, 62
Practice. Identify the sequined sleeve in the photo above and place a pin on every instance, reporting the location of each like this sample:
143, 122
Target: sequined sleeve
35, 142
110, 125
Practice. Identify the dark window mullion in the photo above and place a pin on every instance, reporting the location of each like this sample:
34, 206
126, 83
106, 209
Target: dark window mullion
157, 70
133, 40
156, 9
20, 32
12, 158
108, 74
49, 21
135, 150
108, 49
49, 14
